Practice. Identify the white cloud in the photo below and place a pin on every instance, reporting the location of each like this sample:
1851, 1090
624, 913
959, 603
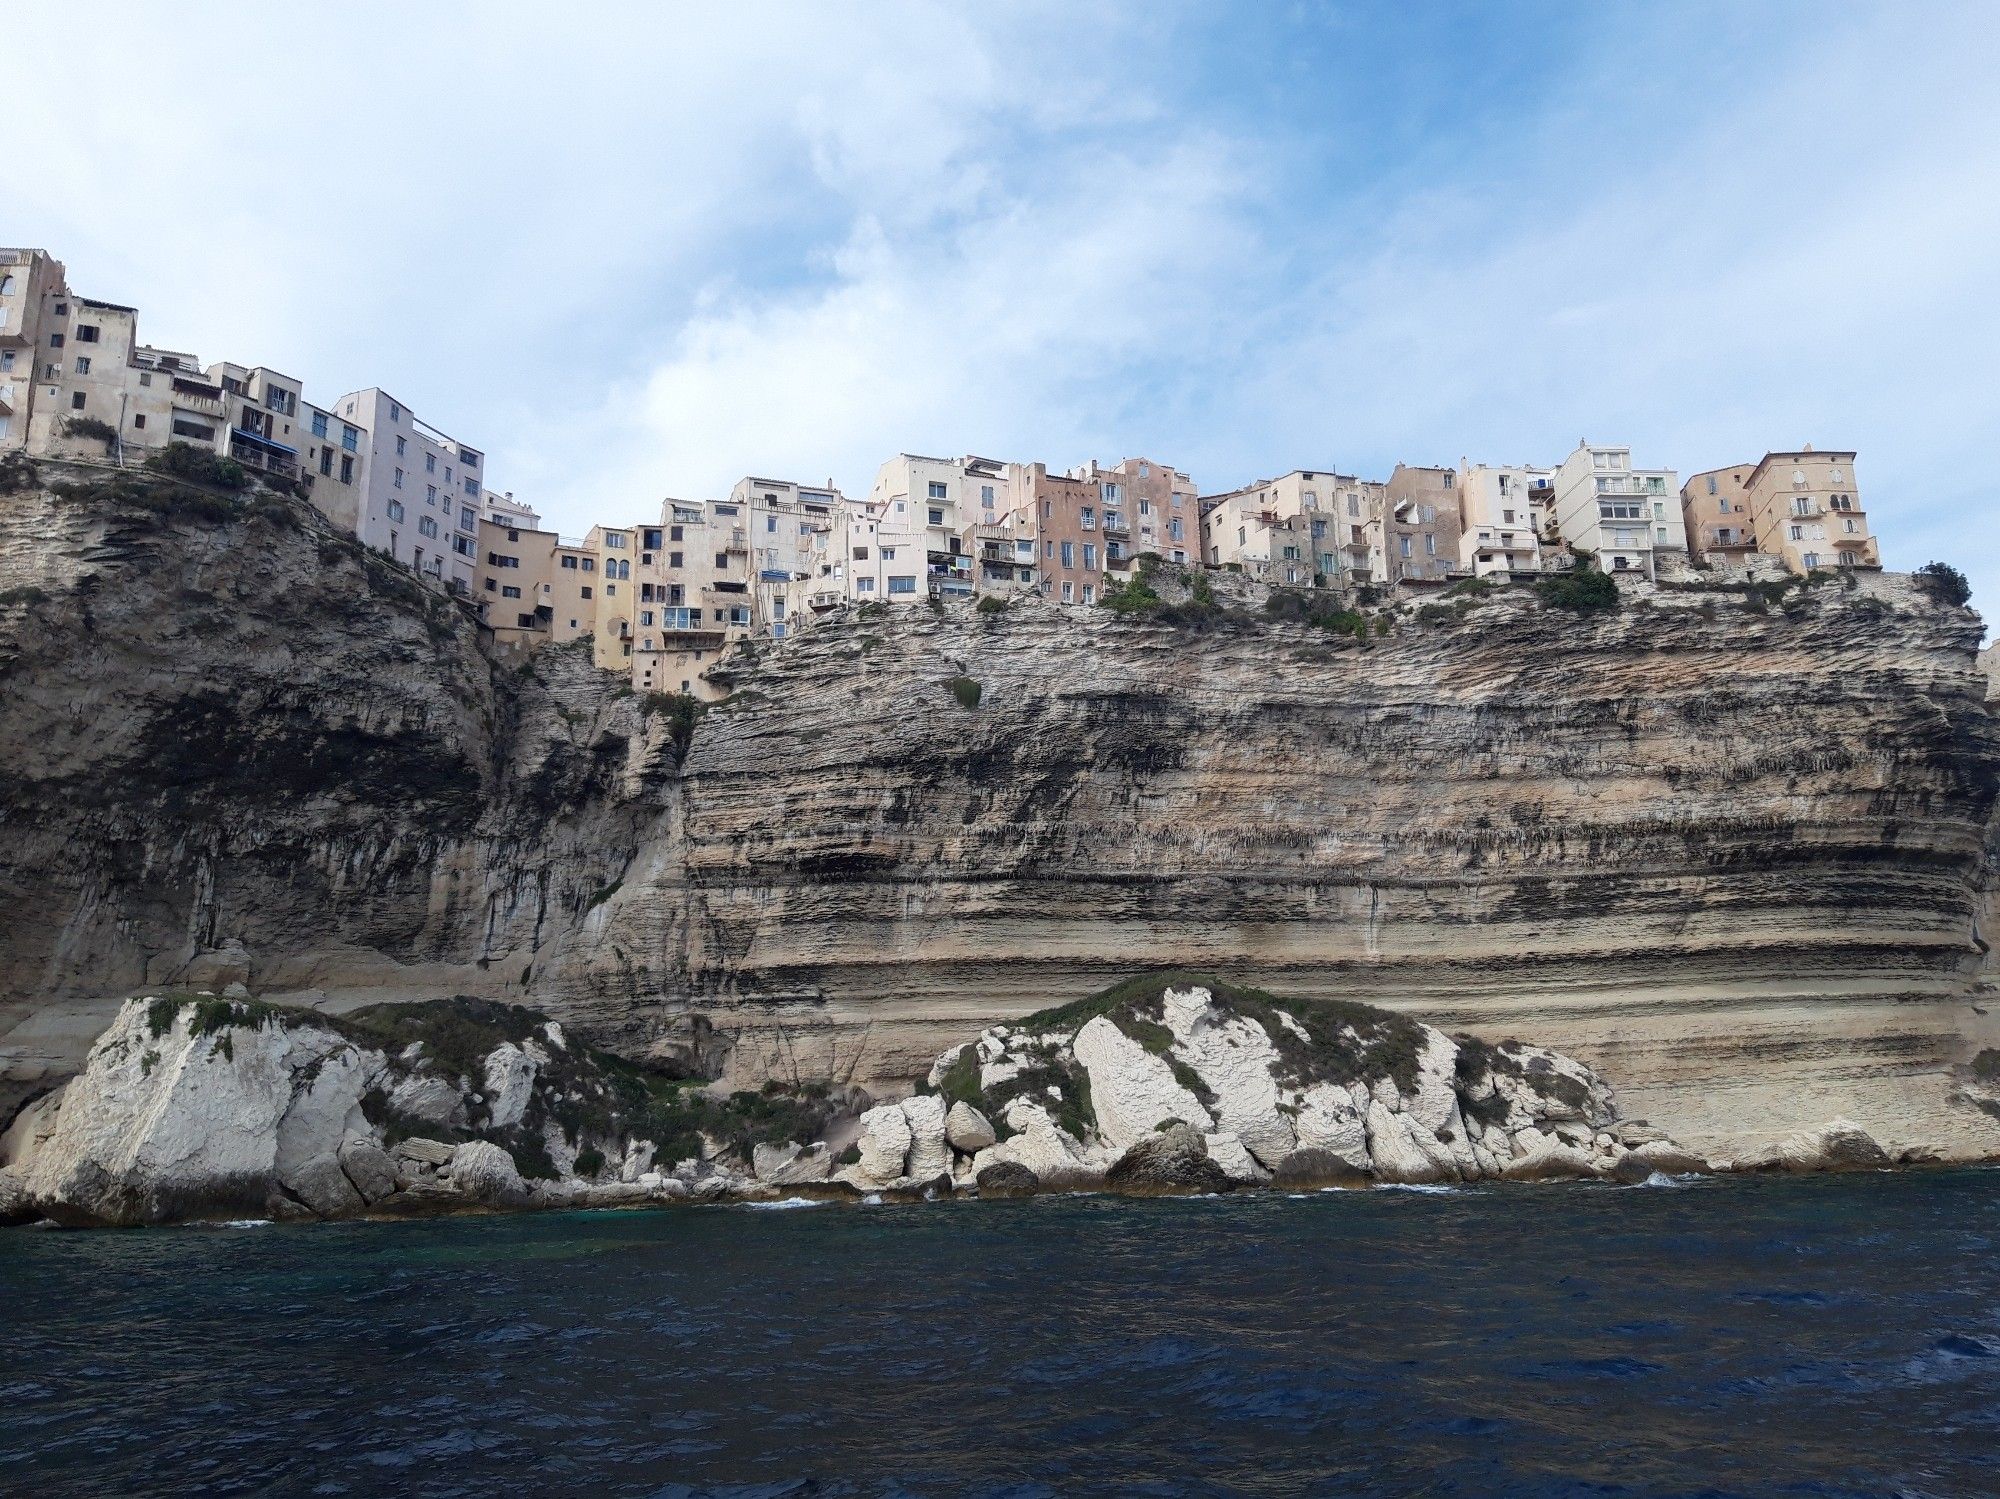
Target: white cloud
651, 249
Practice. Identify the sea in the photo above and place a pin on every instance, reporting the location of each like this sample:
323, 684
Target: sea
1834, 1335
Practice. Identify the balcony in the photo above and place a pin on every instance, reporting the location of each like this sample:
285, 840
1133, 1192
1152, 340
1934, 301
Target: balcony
825, 599
1117, 526
739, 539
1727, 539
258, 452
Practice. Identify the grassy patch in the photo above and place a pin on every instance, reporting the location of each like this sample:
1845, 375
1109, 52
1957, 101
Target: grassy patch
1586, 590
992, 604
964, 690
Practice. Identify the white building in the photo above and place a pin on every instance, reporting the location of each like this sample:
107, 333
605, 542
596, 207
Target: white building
1628, 517
422, 493
1503, 510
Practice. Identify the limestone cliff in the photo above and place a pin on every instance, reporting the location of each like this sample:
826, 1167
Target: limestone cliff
1731, 851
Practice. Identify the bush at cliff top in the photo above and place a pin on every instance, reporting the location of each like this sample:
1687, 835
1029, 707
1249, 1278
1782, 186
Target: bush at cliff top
1585, 590
1945, 583
92, 427
202, 465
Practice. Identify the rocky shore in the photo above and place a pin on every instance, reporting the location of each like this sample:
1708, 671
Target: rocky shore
207, 1106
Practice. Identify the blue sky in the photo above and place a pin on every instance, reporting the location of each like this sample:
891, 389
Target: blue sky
648, 255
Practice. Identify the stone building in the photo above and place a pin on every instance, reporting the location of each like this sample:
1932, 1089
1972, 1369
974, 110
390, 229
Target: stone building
1421, 525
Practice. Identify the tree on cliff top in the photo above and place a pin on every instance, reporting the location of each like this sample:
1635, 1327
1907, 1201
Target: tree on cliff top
1945, 583
1585, 589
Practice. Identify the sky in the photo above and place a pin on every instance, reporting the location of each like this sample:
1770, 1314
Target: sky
637, 251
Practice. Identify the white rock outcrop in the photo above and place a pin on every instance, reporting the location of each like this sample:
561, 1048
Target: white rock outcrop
509, 1084
929, 1151
1132, 1092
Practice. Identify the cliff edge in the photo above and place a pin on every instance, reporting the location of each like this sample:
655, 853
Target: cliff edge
1733, 846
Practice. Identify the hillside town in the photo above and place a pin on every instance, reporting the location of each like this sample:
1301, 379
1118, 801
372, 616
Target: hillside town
662, 591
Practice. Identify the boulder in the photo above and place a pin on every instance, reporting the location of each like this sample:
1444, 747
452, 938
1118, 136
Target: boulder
1175, 1160
419, 1151
485, 1173
1396, 1155
164, 1124
967, 1130
793, 1165
1837, 1145
884, 1143
369, 1169
1308, 1169
1006, 1179
429, 1097
15, 1206
1552, 1161
930, 1153
638, 1160
1659, 1154
1132, 1091
1328, 1122
509, 1085
1233, 1156
1235, 1060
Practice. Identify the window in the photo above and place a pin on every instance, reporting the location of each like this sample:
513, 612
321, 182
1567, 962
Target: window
399, 478
402, 445
888, 554
861, 554
395, 412
83, 364
139, 422
55, 340
346, 469
430, 494
510, 592
1798, 533
426, 526
986, 494
902, 585
86, 333
676, 559
1661, 535
76, 401
395, 510
1089, 518
1174, 528
937, 516
463, 546
1802, 505
1353, 503
1430, 544
350, 438
1069, 554
583, 592
468, 519
1069, 591
936, 490
430, 460
1810, 559
1405, 541
319, 424
864, 585
614, 539
1089, 557
1711, 483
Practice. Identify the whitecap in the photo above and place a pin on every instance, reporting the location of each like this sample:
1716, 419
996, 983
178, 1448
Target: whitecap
786, 1202
1426, 1187
244, 1223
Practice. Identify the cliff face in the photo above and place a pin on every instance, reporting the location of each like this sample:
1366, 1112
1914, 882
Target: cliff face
1735, 858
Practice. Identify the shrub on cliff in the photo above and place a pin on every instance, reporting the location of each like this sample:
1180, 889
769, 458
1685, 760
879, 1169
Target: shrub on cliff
201, 465
965, 690
17, 473
95, 428
1945, 583
683, 712
1586, 590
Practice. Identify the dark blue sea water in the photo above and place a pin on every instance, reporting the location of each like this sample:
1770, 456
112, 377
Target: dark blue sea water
1824, 1336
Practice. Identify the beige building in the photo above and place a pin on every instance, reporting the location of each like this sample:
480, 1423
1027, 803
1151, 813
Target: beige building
1421, 525
793, 532
1254, 528
1803, 508
919, 516
694, 594
1628, 518
1502, 511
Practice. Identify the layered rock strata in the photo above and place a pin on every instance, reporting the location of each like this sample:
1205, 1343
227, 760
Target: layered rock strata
1737, 852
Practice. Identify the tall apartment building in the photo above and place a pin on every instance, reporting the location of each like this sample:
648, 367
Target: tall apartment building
923, 511
1627, 517
534, 588
1803, 508
422, 492
694, 594
1421, 524
1502, 510
792, 530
